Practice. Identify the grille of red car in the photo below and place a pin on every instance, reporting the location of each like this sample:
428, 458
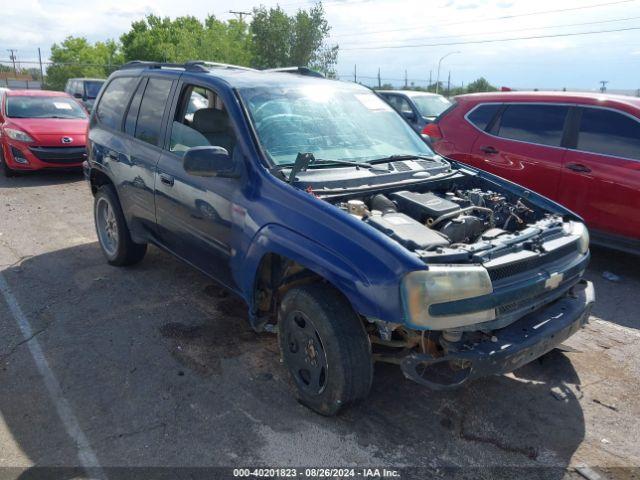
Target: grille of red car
60, 155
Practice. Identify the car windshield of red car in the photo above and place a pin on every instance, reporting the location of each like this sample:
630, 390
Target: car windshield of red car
43, 107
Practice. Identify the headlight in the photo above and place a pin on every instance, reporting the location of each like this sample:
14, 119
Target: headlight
578, 228
445, 283
18, 135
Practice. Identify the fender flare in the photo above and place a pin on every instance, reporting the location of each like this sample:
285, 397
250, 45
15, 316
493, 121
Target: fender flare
336, 269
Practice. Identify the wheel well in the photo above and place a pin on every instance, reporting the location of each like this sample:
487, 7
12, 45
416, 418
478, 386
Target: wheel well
97, 179
277, 275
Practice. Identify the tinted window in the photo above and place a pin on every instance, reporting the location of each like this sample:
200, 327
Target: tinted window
132, 114
114, 101
151, 109
610, 133
92, 88
542, 124
482, 115
401, 104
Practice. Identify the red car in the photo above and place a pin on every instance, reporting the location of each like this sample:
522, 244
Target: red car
581, 150
41, 129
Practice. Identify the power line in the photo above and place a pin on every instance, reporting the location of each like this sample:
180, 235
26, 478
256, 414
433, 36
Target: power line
548, 27
503, 17
240, 14
494, 40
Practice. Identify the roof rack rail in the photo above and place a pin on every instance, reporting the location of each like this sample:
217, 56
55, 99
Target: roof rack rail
145, 64
205, 63
306, 71
193, 65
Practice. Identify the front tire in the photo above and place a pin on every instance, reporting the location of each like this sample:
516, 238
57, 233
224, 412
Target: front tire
113, 233
6, 170
325, 348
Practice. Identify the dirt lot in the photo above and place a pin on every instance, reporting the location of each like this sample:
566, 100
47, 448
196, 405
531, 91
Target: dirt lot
156, 366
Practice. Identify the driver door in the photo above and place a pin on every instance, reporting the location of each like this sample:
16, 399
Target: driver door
193, 214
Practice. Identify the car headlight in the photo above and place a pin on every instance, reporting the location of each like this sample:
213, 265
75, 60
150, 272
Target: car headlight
579, 229
18, 135
445, 283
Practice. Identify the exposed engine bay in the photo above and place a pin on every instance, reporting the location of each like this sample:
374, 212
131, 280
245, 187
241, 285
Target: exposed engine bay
433, 220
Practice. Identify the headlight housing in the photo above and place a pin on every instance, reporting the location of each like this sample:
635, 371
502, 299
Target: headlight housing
579, 229
445, 283
18, 135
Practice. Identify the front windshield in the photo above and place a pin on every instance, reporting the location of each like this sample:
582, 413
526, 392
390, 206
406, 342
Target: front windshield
92, 88
334, 121
431, 106
43, 107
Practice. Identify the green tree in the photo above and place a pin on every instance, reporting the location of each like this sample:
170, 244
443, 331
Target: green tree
480, 85
280, 40
76, 57
187, 38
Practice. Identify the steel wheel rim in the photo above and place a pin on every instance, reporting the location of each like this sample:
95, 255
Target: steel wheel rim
305, 354
107, 226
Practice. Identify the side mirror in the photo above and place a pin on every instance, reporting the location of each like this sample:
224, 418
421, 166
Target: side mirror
78, 95
209, 162
409, 115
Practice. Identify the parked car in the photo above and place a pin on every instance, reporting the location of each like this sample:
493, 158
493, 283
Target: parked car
579, 149
317, 204
84, 89
40, 129
419, 108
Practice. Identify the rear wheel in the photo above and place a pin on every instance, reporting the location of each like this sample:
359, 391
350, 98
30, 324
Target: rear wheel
325, 348
113, 233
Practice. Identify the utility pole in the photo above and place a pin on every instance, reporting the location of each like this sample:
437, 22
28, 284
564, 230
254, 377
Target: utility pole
449, 84
406, 80
429, 86
603, 88
240, 14
355, 74
41, 70
12, 57
379, 81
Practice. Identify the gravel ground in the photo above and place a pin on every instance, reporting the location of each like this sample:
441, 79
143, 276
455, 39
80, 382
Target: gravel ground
156, 366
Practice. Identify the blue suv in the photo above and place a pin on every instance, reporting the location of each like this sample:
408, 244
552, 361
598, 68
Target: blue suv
315, 201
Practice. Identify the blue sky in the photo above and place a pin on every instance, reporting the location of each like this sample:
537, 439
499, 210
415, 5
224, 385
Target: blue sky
358, 25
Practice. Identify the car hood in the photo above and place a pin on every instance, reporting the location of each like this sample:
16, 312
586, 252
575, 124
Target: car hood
36, 127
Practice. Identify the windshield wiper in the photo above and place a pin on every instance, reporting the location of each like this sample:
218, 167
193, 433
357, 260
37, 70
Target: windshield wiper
306, 160
397, 158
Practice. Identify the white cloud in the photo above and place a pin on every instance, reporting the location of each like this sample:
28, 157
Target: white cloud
28, 24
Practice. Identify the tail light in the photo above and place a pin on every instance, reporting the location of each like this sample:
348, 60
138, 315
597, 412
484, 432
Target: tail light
432, 130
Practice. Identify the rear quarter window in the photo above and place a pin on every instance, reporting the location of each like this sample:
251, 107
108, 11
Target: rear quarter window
609, 133
114, 101
482, 115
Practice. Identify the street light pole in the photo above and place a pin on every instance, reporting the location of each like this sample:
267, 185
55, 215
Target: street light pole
439, 63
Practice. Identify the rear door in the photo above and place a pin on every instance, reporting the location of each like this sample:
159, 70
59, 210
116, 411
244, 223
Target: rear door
144, 130
601, 175
524, 145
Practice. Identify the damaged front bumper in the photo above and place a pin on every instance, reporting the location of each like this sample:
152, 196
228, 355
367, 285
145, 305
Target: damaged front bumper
510, 347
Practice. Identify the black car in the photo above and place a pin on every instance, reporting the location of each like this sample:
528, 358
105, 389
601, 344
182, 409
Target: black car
418, 108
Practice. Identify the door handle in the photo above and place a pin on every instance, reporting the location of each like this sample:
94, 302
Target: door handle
490, 150
578, 167
166, 179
